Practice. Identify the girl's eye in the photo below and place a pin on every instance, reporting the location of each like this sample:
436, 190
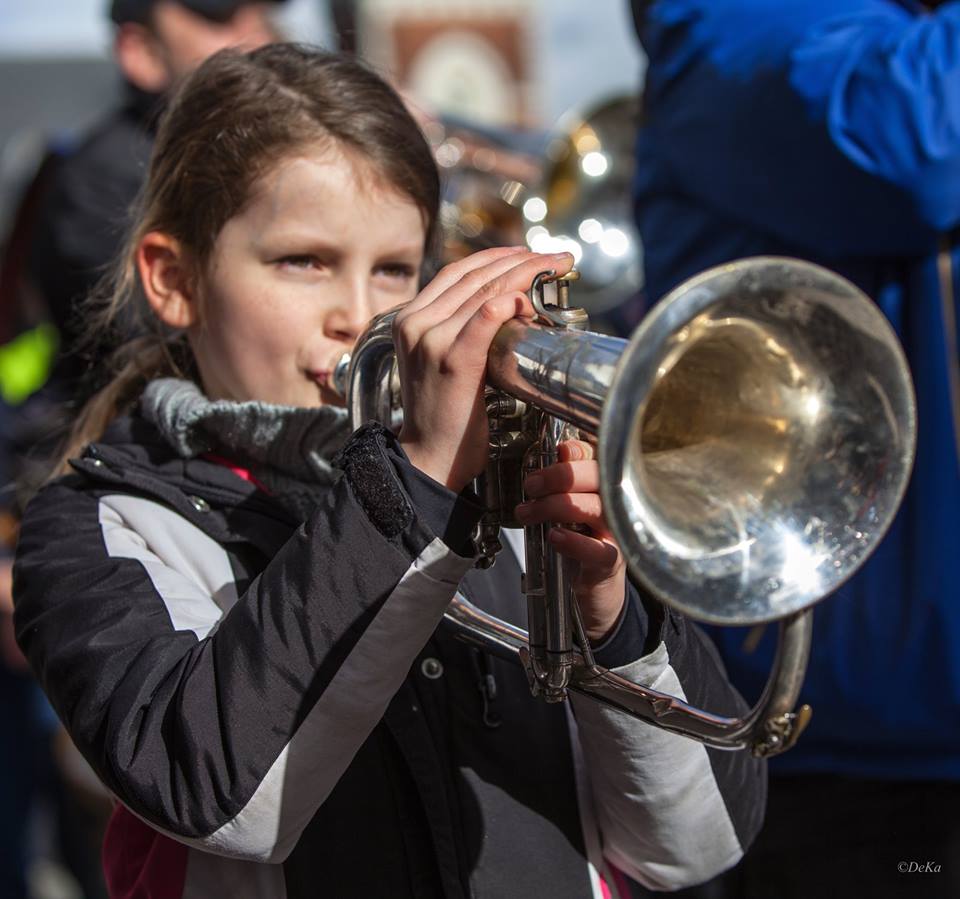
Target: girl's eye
301, 261
399, 270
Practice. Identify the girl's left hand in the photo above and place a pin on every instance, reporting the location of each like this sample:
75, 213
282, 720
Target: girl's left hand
568, 492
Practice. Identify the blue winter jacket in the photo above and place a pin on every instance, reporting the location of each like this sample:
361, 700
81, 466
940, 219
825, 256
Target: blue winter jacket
830, 130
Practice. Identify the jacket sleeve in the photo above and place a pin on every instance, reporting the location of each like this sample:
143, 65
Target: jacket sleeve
671, 812
227, 731
836, 125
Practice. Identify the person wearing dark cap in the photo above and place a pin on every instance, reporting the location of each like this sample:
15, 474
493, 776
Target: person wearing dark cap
85, 205
160, 41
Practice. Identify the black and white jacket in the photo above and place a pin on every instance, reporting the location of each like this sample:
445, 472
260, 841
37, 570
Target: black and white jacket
280, 702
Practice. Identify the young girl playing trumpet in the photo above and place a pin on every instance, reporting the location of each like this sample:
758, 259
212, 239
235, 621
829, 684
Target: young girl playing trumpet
235, 605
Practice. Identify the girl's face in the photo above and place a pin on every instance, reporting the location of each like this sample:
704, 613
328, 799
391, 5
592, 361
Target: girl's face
322, 246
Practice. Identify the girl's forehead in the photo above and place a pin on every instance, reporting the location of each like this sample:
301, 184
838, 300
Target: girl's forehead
321, 177
310, 168
328, 192
325, 164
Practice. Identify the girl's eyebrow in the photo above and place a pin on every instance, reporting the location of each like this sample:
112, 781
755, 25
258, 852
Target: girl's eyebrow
308, 241
301, 240
304, 234
413, 249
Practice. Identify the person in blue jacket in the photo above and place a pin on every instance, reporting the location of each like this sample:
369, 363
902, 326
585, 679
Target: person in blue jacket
830, 130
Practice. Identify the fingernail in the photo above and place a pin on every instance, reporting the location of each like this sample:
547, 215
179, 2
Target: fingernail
523, 510
563, 256
557, 535
533, 484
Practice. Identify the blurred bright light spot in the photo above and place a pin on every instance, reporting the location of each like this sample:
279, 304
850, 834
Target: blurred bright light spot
449, 214
484, 159
590, 231
448, 154
535, 209
586, 142
535, 233
614, 242
544, 242
594, 164
471, 225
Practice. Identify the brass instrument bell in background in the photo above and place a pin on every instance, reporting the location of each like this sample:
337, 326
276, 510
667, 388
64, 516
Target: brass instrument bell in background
574, 196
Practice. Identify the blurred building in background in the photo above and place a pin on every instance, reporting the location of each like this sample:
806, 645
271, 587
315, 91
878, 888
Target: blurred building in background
468, 58
503, 62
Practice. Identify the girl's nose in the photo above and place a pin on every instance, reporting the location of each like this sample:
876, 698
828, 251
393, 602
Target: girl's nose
350, 317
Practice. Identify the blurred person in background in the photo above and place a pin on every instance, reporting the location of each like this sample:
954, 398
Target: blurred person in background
830, 130
84, 211
69, 226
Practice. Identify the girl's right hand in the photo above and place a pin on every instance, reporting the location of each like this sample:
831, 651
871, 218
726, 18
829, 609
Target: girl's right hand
442, 339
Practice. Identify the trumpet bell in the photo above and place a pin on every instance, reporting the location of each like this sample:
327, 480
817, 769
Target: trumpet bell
756, 468
755, 438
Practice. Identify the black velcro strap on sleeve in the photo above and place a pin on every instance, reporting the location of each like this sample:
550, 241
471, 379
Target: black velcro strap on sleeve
373, 480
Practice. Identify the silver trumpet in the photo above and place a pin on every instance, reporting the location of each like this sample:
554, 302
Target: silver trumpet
755, 437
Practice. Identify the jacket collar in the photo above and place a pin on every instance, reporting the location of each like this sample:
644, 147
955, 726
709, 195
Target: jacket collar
133, 457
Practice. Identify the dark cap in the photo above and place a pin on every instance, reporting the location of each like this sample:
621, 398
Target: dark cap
139, 10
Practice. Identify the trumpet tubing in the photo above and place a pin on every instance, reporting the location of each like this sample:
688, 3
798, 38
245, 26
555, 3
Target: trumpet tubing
755, 438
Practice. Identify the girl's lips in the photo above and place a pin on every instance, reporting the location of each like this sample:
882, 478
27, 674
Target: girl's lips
329, 395
324, 381
329, 376
331, 373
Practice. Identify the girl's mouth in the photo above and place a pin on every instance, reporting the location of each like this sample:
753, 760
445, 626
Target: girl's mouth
329, 395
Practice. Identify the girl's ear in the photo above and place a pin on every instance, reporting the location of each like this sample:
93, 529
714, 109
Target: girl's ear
167, 281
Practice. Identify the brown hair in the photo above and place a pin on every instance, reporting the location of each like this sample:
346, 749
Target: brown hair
233, 118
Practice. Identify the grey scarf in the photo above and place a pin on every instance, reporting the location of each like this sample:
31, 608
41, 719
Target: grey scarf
287, 448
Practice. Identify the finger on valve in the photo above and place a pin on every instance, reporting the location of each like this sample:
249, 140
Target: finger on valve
459, 286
